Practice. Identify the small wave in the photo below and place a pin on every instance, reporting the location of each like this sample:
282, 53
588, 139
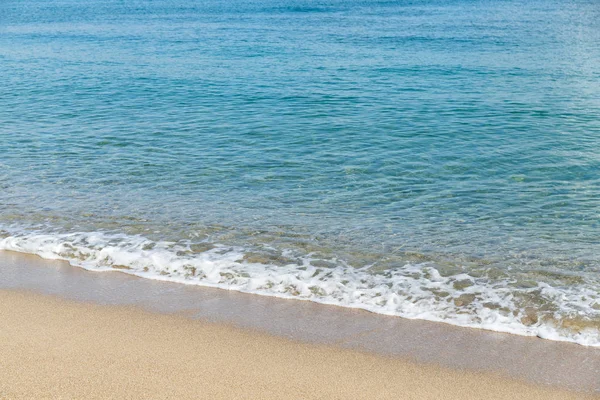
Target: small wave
414, 290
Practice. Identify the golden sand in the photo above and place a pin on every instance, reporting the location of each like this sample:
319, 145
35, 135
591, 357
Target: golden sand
53, 348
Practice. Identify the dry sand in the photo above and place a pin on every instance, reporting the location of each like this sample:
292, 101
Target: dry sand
53, 348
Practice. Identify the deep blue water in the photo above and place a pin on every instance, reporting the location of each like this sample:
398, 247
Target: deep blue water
430, 159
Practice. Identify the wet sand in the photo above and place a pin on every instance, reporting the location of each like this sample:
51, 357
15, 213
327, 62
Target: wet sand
69, 333
54, 348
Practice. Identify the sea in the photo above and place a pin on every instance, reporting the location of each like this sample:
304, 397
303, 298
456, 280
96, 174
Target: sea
425, 159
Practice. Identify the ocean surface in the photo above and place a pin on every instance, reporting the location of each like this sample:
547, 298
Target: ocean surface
435, 160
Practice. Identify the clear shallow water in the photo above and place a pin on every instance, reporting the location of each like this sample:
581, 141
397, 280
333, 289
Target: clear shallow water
434, 160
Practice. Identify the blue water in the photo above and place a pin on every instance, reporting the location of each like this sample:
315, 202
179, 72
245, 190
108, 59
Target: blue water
428, 159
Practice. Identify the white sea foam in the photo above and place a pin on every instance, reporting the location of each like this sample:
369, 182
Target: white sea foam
416, 291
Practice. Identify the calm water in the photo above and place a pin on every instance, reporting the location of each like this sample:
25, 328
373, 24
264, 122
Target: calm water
429, 159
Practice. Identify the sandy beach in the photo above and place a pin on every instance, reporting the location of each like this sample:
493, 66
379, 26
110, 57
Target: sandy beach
53, 348
338, 199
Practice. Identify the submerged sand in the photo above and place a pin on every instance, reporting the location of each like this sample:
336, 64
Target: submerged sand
54, 348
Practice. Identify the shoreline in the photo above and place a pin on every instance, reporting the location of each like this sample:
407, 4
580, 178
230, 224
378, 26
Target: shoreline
59, 348
531, 362
416, 292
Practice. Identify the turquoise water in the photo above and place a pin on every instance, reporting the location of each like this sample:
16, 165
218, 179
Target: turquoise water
428, 159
